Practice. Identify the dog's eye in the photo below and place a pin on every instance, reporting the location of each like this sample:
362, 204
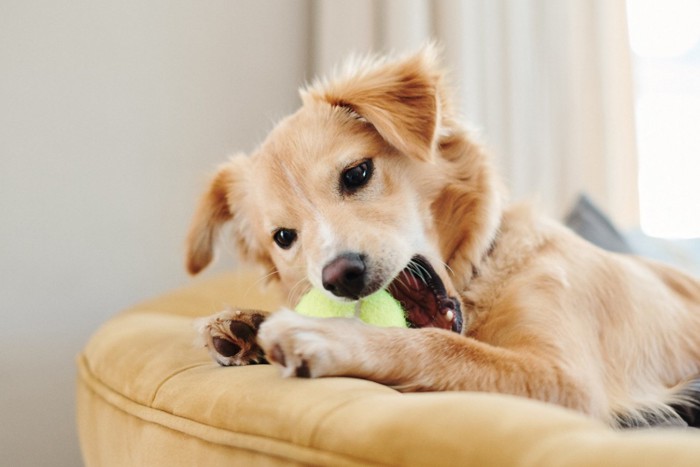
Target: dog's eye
357, 176
284, 238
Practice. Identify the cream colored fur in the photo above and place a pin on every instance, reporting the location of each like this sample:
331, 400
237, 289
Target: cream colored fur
547, 315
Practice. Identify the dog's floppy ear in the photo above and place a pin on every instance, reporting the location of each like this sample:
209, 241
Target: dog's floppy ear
400, 99
211, 214
222, 202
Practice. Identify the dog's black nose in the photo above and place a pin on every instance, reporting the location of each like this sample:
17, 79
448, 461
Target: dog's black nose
345, 275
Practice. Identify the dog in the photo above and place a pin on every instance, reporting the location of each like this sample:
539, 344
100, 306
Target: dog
374, 183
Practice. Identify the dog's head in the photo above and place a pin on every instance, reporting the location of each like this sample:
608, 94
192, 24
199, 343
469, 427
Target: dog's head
370, 184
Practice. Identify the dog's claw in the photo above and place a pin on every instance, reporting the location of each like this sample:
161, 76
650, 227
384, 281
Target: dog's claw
303, 371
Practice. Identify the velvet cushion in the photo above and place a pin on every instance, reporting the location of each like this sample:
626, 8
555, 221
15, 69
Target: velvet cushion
147, 395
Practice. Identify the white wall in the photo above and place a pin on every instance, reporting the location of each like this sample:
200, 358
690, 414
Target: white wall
112, 115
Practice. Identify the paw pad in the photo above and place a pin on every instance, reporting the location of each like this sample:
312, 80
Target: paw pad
225, 347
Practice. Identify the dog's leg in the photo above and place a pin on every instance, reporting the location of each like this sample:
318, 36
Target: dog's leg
427, 359
230, 336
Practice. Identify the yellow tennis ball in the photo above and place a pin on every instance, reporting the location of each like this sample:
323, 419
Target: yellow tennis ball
378, 309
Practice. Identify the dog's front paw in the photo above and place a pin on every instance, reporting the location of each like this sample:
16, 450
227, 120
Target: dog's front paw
306, 347
230, 336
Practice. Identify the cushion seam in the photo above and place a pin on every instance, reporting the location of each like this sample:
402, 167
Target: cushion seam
168, 378
300, 453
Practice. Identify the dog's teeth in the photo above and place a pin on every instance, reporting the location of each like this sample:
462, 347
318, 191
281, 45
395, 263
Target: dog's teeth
449, 315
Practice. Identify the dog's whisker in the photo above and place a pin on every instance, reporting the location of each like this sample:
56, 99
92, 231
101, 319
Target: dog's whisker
413, 268
419, 271
296, 291
271, 273
402, 281
265, 277
423, 269
437, 260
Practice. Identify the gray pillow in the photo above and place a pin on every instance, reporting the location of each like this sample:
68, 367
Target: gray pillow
587, 220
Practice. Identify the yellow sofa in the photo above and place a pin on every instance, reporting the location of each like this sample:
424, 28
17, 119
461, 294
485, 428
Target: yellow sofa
148, 396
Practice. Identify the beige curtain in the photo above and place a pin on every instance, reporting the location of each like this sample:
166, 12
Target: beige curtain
549, 83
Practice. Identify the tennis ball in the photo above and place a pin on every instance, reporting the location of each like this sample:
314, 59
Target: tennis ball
378, 309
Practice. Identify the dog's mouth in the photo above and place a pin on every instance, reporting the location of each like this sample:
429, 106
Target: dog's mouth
424, 298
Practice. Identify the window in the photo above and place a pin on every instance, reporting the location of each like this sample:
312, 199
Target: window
665, 40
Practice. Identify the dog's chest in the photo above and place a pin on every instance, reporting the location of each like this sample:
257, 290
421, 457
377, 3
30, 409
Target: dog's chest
484, 296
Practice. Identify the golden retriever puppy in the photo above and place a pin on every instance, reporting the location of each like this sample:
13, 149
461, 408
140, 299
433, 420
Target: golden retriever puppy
374, 184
